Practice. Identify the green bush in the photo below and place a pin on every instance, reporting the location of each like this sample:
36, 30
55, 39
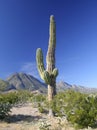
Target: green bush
4, 110
58, 104
38, 98
5, 106
85, 113
80, 109
40, 108
8, 100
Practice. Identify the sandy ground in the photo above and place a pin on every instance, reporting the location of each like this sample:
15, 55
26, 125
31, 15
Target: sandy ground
22, 118
28, 118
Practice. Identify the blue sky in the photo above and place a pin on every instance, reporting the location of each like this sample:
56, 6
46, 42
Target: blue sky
24, 26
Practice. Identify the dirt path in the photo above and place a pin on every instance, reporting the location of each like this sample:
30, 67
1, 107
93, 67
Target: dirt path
28, 118
22, 118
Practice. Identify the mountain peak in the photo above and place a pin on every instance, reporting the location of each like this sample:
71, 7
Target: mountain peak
26, 82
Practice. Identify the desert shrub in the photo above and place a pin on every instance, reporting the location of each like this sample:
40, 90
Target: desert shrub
8, 100
44, 126
65, 101
58, 104
36, 99
84, 112
4, 110
41, 108
23, 96
17, 97
80, 109
62, 102
5, 106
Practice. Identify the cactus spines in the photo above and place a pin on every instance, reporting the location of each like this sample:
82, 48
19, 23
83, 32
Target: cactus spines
43, 73
39, 60
50, 58
55, 72
46, 77
50, 73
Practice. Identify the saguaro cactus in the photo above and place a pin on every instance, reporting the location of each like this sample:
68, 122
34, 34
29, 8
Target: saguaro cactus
50, 73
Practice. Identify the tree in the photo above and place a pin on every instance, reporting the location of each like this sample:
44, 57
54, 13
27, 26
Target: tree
50, 73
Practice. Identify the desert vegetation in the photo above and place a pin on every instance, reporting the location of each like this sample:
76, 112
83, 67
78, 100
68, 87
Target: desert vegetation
9, 100
71, 109
79, 109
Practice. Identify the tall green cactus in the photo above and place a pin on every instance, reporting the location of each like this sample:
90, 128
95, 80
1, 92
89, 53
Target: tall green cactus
50, 73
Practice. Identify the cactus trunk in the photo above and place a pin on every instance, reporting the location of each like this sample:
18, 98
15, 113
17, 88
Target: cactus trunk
50, 73
50, 58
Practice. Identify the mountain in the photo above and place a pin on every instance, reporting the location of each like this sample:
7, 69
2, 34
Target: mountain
5, 86
22, 81
61, 86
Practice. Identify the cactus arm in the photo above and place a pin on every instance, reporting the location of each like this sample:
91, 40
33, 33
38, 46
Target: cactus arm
46, 77
55, 72
40, 64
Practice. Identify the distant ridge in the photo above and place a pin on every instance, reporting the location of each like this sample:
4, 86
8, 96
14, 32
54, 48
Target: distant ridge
22, 81
62, 86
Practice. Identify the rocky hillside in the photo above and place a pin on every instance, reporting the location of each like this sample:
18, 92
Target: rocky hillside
5, 86
63, 86
26, 82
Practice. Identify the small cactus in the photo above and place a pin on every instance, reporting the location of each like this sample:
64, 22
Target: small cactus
50, 73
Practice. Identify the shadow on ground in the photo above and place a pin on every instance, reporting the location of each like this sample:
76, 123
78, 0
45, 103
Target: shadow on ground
18, 118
